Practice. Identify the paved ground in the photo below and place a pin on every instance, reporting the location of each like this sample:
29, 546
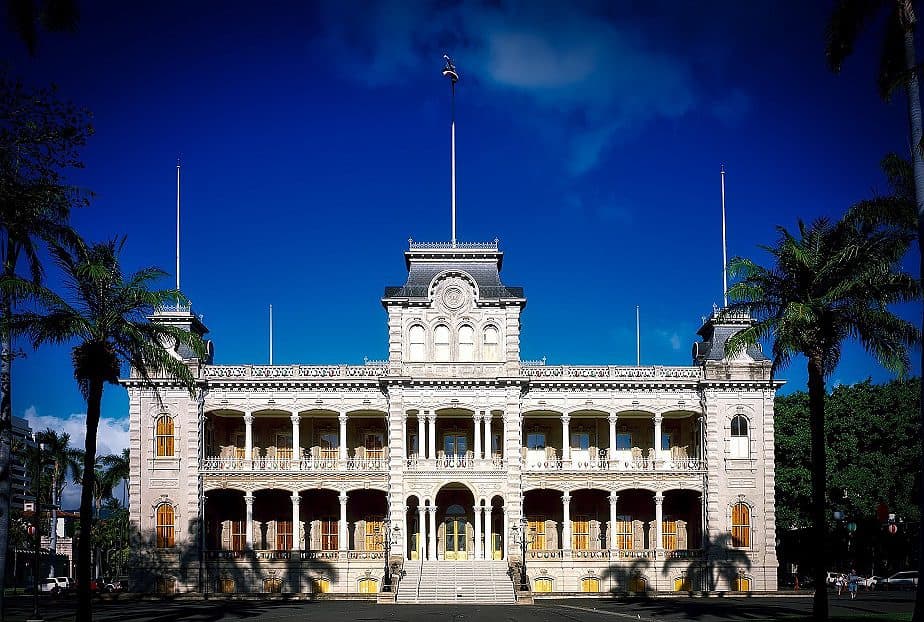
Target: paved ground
575, 610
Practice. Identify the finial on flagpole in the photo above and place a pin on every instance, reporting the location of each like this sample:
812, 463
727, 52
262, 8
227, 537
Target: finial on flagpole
449, 71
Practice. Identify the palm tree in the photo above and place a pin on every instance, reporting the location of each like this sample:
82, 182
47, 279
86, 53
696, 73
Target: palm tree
117, 470
897, 67
40, 138
107, 316
65, 461
831, 283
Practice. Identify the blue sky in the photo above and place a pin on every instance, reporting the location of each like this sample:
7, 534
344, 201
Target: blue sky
315, 141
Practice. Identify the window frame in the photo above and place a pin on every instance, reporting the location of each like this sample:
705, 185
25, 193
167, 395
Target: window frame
164, 439
740, 443
466, 348
442, 351
741, 526
165, 532
417, 350
491, 349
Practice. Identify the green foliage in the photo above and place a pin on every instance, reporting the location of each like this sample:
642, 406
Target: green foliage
871, 448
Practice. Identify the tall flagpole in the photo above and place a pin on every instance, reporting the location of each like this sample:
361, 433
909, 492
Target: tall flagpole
271, 334
178, 223
724, 252
450, 72
638, 340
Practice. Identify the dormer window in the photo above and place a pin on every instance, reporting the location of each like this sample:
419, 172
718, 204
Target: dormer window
417, 340
491, 342
466, 343
441, 343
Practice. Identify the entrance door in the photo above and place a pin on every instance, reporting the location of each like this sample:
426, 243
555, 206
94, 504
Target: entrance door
455, 445
455, 539
497, 546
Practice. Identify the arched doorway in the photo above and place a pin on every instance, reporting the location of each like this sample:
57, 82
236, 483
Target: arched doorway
455, 515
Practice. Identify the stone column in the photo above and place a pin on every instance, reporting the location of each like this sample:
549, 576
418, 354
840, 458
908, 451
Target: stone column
403, 437
405, 534
613, 543
248, 436
505, 537
431, 528
478, 509
422, 531
488, 452
488, 535
431, 452
612, 450
343, 436
421, 437
343, 537
296, 522
657, 434
248, 521
566, 438
296, 440
478, 419
566, 520
659, 517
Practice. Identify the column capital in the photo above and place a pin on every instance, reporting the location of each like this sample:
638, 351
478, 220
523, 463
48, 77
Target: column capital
342, 418
431, 509
613, 499
248, 498
565, 418
343, 498
248, 418
296, 498
658, 498
613, 419
657, 419
295, 418
565, 498
479, 416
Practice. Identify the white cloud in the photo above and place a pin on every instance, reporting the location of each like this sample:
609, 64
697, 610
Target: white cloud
112, 438
675, 342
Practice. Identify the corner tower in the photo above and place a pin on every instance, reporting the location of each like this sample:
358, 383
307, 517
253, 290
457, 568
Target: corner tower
453, 316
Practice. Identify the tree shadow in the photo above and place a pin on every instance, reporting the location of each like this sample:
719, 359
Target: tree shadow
721, 565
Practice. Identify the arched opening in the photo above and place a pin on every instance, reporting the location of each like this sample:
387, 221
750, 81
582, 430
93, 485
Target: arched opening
455, 518
498, 530
682, 520
543, 510
414, 520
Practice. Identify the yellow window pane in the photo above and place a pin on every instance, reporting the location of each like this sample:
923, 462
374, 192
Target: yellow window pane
682, 584
368, 586
743, 584
590, 584
323, 586
542, 585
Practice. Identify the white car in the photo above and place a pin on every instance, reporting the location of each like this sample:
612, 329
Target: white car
52, 585
906, 580
871, 583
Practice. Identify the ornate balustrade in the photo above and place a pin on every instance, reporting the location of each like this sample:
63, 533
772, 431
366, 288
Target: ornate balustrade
614, 372
686, 465
305, 465
294, 372
287, 555
459, 463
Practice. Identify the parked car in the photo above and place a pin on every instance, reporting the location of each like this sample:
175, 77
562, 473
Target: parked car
67, 583
832, 577
53, 585
905, 580
871, 583
113, 585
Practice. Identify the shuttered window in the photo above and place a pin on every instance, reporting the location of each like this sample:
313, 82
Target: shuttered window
741, 526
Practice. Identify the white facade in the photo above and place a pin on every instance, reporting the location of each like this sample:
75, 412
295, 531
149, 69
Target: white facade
628, 478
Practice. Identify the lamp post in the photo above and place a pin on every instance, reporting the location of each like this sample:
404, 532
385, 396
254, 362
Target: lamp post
521, 534
386, 546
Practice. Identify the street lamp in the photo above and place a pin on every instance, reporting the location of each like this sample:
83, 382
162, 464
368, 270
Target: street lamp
520, 533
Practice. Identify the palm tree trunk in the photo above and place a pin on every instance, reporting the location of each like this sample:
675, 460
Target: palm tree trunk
6, 440
816, 386
915, 122
94, 399
53, 534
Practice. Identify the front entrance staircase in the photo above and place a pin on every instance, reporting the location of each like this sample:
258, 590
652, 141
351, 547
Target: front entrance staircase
484, 582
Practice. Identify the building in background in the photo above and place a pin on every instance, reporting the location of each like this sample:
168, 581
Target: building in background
21, 479
458, 459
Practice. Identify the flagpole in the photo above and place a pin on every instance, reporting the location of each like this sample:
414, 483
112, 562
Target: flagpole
271, 334
638, 340
178, 223
724, 252
449, 71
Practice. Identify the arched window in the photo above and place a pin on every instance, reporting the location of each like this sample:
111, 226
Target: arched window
466, 343
542, 584
491, 343
163, 437
272, 585
321, 585
164, 526
441, 343
741, 525
417, 338
739, 437
368, 586
590, 584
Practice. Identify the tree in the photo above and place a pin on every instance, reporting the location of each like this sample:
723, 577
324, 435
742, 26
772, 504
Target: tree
897, 67
832, 282
40, 139
27, 16
65, 462
117, 470
107, 316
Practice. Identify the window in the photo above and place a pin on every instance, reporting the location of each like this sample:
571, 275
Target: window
638, 583
412, 445
536, 535
580, 534
624, 533
368, 586
165, 529
165, 585
535, 440
374, 535
455, 445
624, 441
373, 445
321, 586
329, 531
417, 339
590, 584
330, 444
741, 525
226, 585
739, 437
683, 584
742, 584
272, 585
238, 535
542, 585
283, 535
491, 349
441, 343
580, 440
669, 534
164, 437
665, 441
466, 343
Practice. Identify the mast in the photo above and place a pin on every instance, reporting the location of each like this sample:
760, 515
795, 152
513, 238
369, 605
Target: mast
449, 71
177, 224
724, 252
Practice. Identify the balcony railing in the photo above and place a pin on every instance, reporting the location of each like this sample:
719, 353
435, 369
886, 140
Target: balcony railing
614, 554
304, 465
614, 372
291, 555
455, 463
543, 464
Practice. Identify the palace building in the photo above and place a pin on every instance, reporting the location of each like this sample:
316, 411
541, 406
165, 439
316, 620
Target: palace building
453, 462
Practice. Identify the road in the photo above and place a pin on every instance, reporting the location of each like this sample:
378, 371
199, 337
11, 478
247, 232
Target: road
574, 610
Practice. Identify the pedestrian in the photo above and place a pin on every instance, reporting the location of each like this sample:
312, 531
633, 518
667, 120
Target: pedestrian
852, 581
796, 582
841, 582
